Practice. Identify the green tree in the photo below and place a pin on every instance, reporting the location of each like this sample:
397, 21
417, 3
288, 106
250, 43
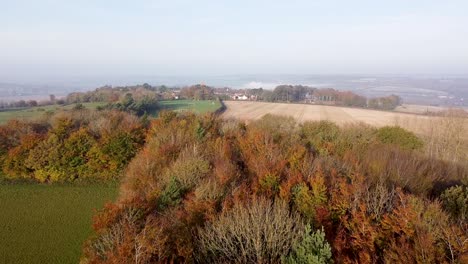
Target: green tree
76, 148
312, 249
455, 201
120, 149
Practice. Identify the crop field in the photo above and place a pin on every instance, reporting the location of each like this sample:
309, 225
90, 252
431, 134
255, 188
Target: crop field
47, 224
341, 115
190, 105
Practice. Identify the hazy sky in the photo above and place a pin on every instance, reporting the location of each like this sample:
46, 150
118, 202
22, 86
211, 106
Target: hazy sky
176, 37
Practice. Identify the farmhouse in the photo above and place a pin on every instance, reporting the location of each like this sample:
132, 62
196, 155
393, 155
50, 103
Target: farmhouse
240, 97
324, 96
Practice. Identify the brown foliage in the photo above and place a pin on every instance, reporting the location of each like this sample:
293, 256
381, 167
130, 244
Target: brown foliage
70, 146
221, 191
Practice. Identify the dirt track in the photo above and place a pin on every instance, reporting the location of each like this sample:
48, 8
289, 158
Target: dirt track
341, 115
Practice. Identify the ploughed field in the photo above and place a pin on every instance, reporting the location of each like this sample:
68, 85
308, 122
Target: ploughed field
247, 110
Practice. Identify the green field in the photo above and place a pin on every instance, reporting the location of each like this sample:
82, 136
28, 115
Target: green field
174, 105
47, 224
190, 105
38, 111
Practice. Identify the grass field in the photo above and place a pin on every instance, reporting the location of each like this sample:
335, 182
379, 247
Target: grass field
34, 112
47, 224
175, 105
189, 105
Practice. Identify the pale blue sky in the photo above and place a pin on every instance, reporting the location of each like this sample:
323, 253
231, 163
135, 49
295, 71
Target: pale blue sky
86, 37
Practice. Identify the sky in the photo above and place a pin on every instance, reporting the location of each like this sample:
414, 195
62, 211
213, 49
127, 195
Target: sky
178, 37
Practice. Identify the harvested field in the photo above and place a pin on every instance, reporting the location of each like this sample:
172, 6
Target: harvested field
341, 115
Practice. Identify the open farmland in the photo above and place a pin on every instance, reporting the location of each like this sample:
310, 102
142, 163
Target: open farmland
341, 115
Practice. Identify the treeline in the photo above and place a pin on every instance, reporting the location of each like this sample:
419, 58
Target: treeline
78, 145
31, 103
206, 190
385, 103
114, 94
306, 94
198, 92
146, 105
106, 93
19, 104
282, 93
140, 92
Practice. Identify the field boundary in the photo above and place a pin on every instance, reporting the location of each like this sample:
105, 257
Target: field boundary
221, 109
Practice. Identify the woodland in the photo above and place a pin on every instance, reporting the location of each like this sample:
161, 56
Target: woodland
197, 188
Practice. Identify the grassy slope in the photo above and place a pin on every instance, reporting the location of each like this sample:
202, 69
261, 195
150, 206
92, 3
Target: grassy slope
47, 224
34, 112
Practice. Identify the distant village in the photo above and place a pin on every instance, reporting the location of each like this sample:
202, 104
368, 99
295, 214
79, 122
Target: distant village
282, 93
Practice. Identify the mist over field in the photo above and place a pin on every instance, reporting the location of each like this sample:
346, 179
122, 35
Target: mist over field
414, 49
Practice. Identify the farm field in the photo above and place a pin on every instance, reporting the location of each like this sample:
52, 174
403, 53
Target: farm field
173, 105
341, 115
47, 224
190, 105
38, 111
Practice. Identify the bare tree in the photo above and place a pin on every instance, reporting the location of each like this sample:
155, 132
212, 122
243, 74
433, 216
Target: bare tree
259, 232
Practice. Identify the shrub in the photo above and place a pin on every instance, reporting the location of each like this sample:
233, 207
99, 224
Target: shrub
399, 136
189, 168
172, 194
379, 200
321, 135
113, 244
355, 138
209, 189
409, 170
78, 106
